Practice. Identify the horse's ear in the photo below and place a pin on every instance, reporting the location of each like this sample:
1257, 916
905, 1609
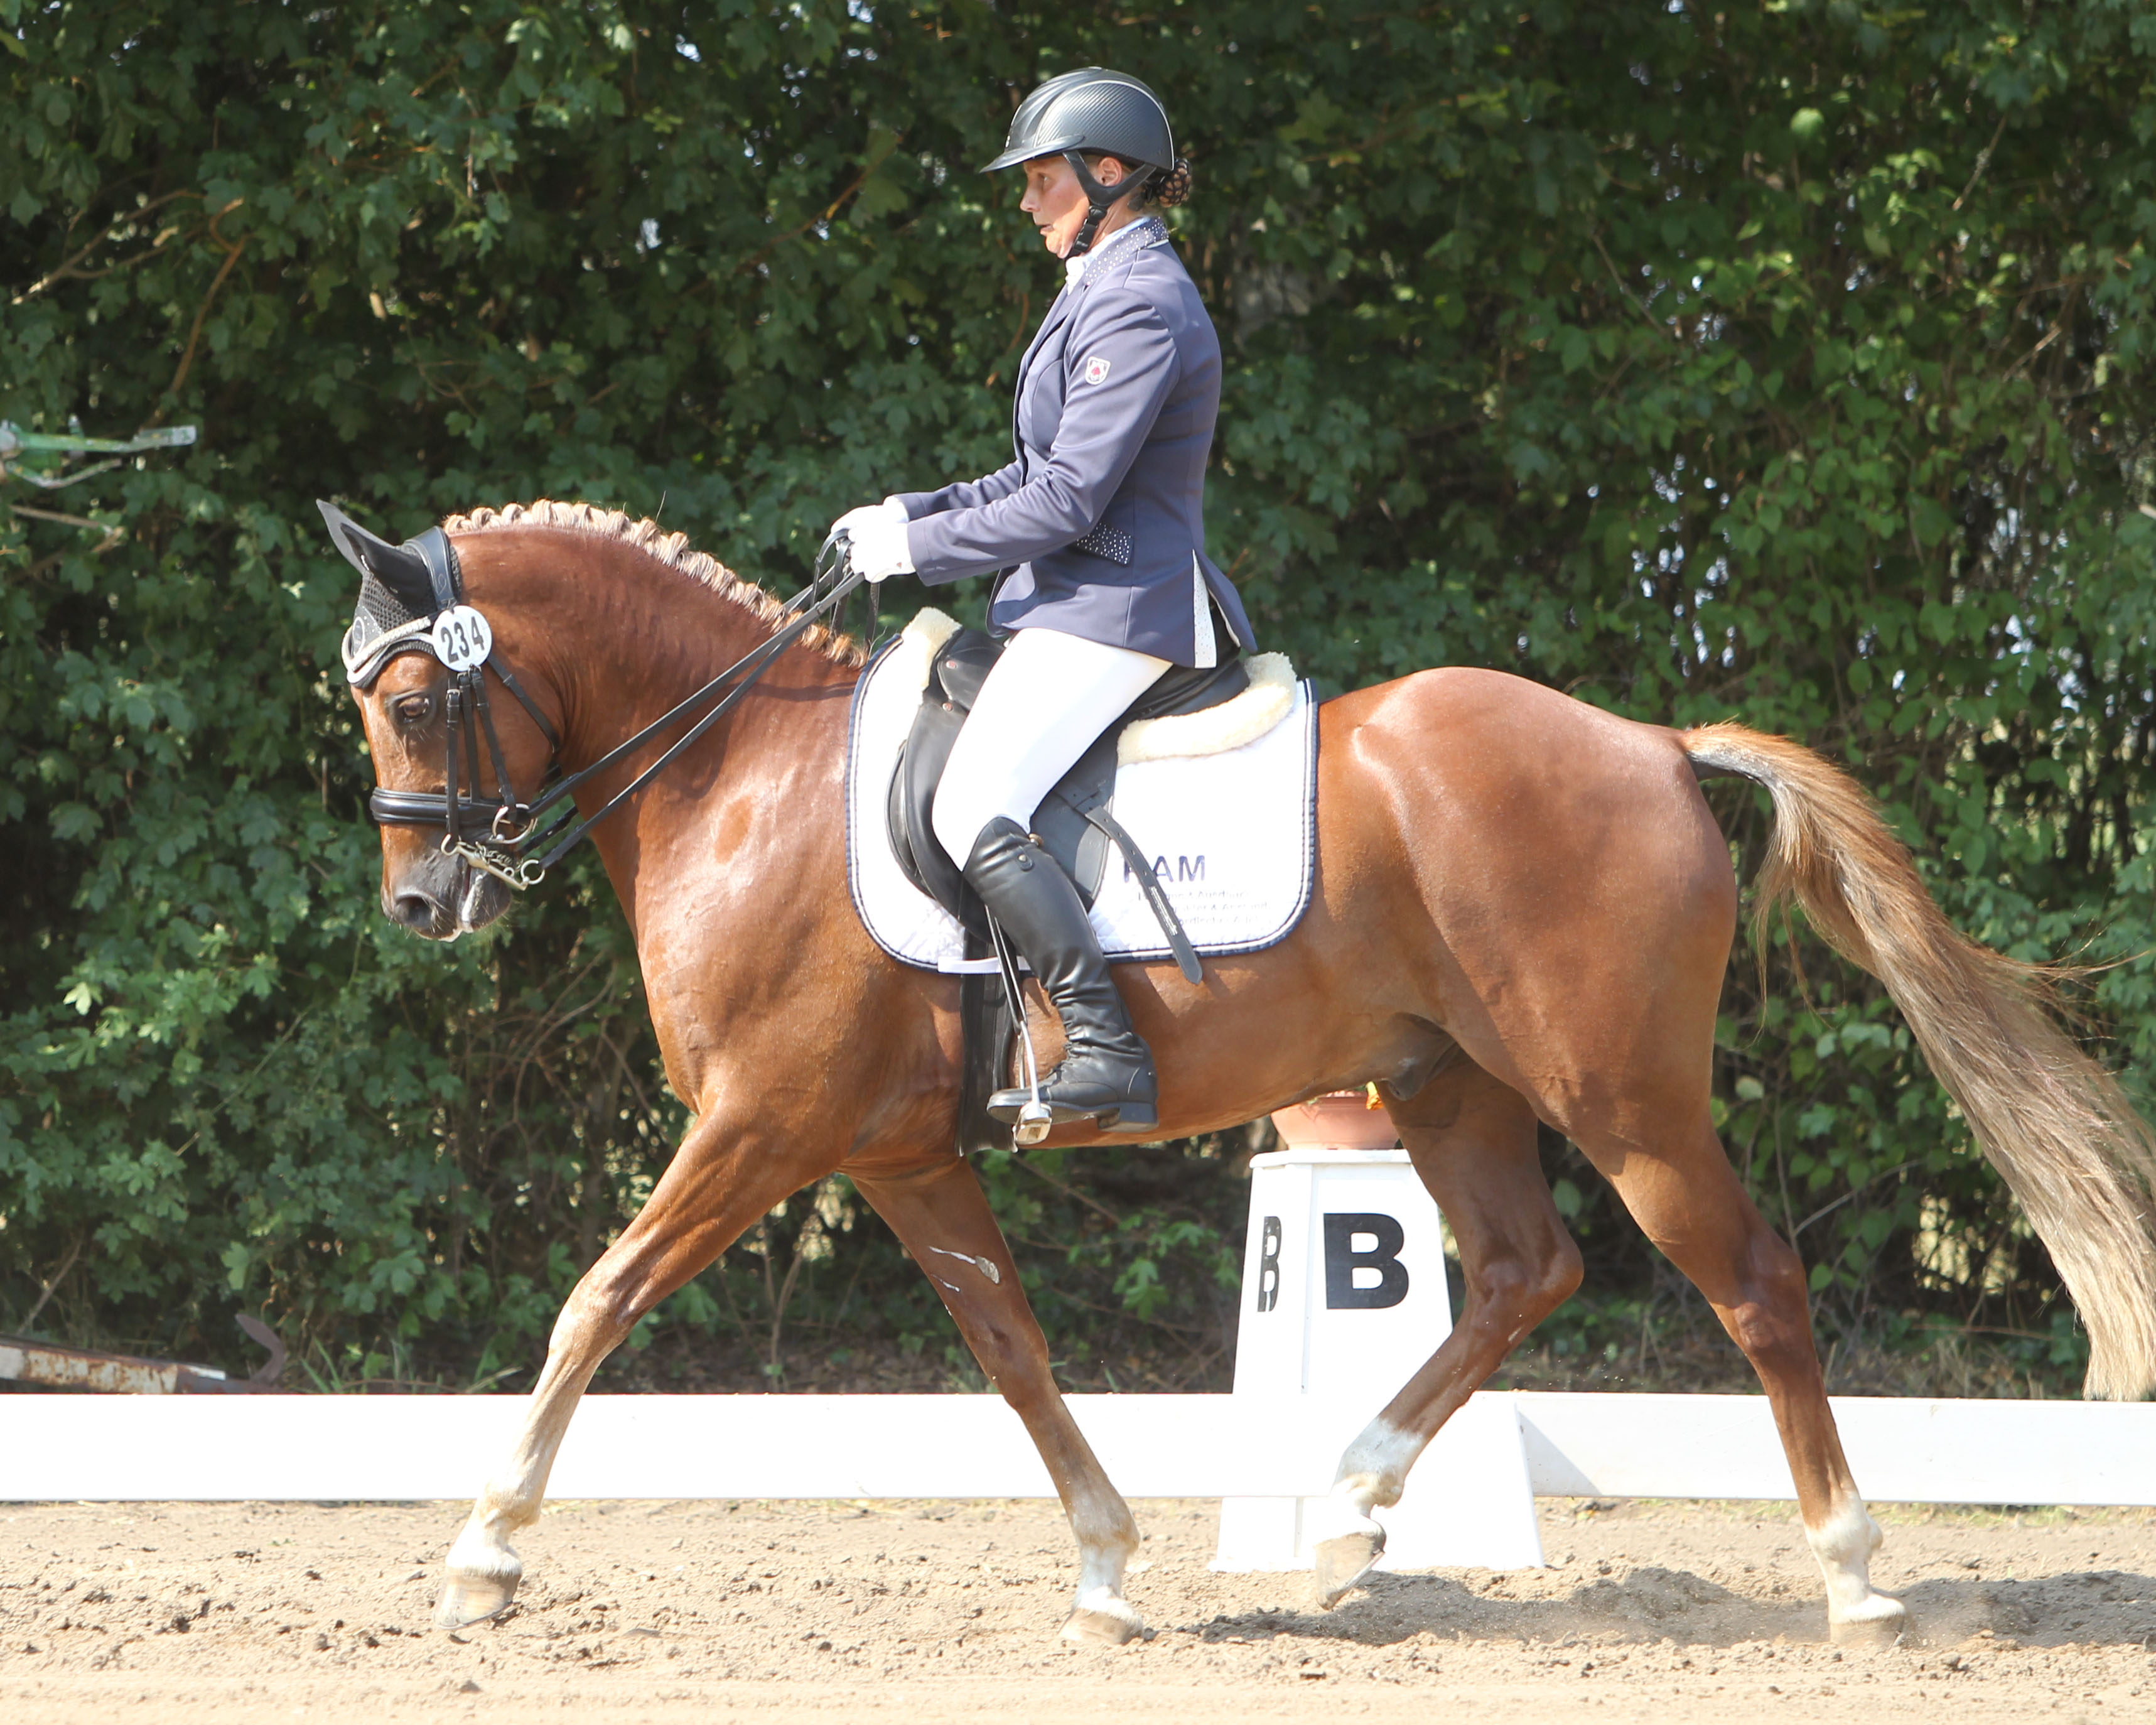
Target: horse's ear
401, 570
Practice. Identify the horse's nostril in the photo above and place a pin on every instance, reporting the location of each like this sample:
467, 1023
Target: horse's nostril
414, 910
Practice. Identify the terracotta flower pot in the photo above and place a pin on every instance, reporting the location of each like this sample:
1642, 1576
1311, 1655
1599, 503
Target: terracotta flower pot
1342, 1121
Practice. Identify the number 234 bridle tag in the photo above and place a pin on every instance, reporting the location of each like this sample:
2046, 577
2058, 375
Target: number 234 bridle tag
462, 639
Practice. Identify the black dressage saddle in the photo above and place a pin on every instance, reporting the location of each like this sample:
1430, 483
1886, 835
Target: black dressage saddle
1076, 822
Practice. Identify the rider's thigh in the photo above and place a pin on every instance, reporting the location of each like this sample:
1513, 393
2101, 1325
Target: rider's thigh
1047, 699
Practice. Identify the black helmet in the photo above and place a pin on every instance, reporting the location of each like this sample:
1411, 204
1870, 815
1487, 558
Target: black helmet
1109, 113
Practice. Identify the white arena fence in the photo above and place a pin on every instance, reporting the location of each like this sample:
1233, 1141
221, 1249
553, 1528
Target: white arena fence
1344, 1293
408, 1448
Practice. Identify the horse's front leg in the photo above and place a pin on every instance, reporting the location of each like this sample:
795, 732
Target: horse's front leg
720, 1180
941, 1217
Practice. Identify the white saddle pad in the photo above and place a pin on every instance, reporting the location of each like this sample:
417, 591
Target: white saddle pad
1233, 835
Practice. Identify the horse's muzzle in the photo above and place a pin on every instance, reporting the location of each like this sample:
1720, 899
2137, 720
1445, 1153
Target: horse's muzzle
440, 897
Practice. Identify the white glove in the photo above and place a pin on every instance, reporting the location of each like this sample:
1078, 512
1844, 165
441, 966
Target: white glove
877, 536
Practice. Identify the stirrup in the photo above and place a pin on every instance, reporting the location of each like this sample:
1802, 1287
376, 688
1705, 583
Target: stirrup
1032, 1117
1034, 1106
1032, 1123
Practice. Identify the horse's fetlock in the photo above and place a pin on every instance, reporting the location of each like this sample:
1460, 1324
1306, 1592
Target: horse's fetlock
1375, 1471
499, 1512
1106, 1532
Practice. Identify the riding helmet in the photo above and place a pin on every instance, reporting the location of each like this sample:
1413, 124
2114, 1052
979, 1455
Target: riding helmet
1110, 113
1107, 113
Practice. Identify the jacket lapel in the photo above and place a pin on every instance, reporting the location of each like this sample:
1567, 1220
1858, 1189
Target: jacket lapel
1057, 313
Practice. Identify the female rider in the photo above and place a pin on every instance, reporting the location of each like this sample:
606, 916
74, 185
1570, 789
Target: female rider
1097, 529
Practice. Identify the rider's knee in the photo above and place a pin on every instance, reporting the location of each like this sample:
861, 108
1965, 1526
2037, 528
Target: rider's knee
958, 815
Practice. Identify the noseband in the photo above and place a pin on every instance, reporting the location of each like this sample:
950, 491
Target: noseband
508, 838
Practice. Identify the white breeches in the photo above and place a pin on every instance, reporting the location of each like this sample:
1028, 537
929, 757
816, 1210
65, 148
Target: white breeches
1049, 698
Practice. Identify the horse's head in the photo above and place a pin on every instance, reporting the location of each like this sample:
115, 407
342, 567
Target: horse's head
403, 672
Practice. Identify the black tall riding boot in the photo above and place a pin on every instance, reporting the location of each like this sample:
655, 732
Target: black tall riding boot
1105, 1073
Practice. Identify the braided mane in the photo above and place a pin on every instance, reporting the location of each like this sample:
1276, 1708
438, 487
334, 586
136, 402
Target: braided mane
673, 550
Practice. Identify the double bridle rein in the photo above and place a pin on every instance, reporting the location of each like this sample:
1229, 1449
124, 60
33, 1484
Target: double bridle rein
509, 838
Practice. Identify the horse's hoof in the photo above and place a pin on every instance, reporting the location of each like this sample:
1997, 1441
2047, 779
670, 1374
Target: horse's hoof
1101, 1618
469, 1599
1878, 1622
1344, 1564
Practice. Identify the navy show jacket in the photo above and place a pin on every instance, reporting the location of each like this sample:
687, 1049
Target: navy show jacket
1098, 524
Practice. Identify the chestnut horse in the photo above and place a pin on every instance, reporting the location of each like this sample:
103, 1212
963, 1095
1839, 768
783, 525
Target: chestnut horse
1522, 914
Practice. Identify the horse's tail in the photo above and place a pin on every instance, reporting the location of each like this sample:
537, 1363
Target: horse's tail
2054, 1123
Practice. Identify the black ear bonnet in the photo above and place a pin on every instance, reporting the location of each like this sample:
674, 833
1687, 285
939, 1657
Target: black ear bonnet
402, 589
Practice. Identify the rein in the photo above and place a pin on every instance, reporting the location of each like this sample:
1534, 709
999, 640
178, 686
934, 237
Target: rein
511, 845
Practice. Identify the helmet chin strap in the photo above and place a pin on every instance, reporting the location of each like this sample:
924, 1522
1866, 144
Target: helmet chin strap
1099, 199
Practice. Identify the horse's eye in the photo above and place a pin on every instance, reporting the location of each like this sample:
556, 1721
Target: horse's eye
412, 710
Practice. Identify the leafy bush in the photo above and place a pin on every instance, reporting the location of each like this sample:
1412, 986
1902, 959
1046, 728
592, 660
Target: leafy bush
1786, 363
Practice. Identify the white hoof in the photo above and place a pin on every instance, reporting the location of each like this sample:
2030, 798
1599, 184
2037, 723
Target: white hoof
1875, 1621
1102, 1618
1342, 1563
480, 1576
468, 1599
1345, 1542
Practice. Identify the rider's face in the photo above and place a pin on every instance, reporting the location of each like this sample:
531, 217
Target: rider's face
1057, 202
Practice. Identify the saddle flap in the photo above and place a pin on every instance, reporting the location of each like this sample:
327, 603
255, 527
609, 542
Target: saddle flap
912, 803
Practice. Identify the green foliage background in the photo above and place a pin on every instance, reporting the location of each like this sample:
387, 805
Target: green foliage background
1789, 363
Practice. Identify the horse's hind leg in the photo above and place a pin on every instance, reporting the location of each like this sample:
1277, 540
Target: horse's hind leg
720, 1180
1472, 1140
943, 1220
1690, 1204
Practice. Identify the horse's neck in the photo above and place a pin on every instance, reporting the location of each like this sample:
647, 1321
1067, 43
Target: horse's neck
653, 640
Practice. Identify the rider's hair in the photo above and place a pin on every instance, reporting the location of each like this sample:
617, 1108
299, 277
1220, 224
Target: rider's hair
1168, 189
1173, 187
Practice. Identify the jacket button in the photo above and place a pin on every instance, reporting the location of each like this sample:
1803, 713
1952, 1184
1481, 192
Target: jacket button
1024, 861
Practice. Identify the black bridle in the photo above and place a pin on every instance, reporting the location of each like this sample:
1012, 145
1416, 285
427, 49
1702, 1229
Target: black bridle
509, 838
